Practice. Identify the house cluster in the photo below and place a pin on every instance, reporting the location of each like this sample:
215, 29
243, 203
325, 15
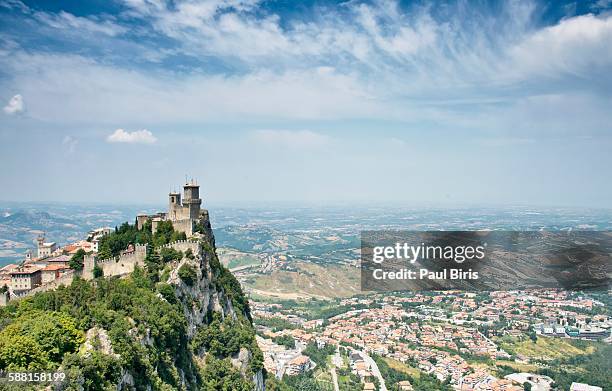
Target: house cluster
380, 330
48, 263
280, 361
51, 262
536, 382
597, 330
437, 333
361, 366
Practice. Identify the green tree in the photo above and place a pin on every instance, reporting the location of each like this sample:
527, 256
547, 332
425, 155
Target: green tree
221, 375
76, 261
168, 254
52, 333
98, 272
285, 340
18, 353
92, 372
188, 274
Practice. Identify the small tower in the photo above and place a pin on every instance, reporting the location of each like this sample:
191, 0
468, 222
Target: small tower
192, 199
174, 205
40, 242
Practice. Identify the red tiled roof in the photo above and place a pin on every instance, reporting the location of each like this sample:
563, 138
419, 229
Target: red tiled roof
54, 267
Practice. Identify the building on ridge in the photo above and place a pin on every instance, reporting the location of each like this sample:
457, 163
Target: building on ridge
24, 279
184, 212
45, 249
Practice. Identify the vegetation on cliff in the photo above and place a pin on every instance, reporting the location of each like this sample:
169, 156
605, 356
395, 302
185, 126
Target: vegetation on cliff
141, 337
113, 244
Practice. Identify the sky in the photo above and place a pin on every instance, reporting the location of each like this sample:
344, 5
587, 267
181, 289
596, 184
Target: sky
419, 103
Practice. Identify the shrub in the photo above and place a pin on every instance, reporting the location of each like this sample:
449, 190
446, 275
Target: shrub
98, 272
189, 254
169, 254
76, 262
167, 292
188, 274
38, 338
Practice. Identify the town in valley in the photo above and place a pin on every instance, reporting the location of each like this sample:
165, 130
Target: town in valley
312, 319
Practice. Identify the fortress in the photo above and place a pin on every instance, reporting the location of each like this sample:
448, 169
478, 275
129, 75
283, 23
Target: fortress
184, 214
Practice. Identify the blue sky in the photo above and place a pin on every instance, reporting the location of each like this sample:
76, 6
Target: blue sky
444, 103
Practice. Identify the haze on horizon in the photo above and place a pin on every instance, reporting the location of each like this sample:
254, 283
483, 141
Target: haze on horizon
453, 103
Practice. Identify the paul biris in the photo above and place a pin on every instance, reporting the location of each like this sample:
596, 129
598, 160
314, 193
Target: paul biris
411, 253
422, 274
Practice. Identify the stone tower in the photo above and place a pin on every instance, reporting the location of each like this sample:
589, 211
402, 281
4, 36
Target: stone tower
192, 201
174, 206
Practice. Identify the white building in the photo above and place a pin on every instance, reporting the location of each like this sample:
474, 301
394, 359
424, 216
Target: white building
45, 249
538, 382
584, 387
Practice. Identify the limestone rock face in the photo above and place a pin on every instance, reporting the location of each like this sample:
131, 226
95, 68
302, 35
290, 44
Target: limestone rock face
97, 338
200, 298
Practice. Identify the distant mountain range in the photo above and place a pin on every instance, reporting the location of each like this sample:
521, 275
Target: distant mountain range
326, 234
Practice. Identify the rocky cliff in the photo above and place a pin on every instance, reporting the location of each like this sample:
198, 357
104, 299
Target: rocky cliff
213, 294
213, 304
181, 322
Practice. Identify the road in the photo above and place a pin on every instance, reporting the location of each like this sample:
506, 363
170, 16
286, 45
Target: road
337, 361
335, 379
375, 371
243, 267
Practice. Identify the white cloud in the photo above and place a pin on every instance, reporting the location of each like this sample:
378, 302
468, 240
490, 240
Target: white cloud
15, 105
136, 137
73, 88
291, 138
70, 143
578, 46
68, 21
353, 61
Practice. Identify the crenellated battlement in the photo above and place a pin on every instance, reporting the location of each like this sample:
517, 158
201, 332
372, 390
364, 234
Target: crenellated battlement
138, 249
126, 262
116, 266
183, 245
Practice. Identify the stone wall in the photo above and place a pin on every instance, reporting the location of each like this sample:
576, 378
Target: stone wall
4, 298
183, 245
124, 263
65, 279
185, 225
117, 266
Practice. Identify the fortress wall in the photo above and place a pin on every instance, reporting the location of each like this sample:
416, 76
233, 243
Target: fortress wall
117, 266
65, 279
182, 213
141, 220
185, 225
4, 298
123, 264
183, 245
88, 265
